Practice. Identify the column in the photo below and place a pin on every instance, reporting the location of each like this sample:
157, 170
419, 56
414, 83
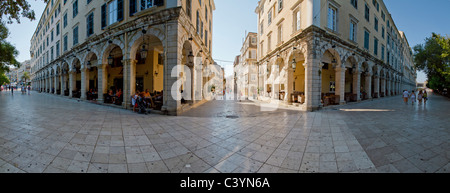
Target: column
313, 81
129, 81
357, 85
84, 82
383, 86
62, 84
55, 81
368, 86
50, 84
102, 82
340, 84
71, 85
388, 87
376, 87
290, 84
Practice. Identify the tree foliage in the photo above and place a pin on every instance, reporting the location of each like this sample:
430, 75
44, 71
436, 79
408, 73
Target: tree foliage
433, 57
3, 79
13, 10
25, 76
8, 52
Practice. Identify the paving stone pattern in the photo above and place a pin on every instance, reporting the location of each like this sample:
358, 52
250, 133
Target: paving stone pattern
42, 133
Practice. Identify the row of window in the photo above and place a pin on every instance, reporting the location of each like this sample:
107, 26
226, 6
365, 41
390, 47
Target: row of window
110, 14
332, 25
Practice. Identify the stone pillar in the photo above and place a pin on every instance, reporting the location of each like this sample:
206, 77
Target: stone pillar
84, 82
129, 81
368, 86
376, 89
340, 84
313, 82
383, 86
290, 83
62, 78
102, 82
55, 86
357, 85
172, 57
388, 87
50, 84
71, 85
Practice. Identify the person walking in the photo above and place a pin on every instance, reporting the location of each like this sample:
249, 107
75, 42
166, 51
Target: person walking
405, 96
29, 90
425, 97
420, 97
413, 97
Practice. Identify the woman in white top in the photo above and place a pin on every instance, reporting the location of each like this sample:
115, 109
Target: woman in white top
420, 97
413, 97
405, 96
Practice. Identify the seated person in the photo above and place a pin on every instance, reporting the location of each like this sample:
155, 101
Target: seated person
159, 97
110, 97
119, 97
147, 94
89, 94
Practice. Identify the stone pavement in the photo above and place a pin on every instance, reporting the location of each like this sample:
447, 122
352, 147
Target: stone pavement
45, 133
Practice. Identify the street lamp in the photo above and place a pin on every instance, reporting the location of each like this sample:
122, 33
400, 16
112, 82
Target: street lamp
190, 59
88, 65
110, 59
294, 64
144, 50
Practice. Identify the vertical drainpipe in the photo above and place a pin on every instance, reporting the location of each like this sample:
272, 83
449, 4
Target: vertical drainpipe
165, 95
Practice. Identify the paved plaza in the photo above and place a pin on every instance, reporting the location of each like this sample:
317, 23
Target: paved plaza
42, 133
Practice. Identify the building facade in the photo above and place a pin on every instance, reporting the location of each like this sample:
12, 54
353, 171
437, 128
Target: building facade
325, 52
246, 69
24, 67
128, 45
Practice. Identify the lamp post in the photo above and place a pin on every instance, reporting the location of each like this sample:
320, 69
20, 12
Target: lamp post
110, 59
190, 62
144, 50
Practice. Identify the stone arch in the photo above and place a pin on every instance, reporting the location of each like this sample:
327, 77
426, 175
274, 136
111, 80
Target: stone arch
298, 56
106, 51
137, 38
108, 47
330, 55
152, 40
351, 61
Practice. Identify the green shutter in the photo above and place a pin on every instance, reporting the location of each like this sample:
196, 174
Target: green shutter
103, 16
133, 8
119, 10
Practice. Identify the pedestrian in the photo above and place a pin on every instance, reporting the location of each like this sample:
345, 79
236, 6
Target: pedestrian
413, 97
420, 97
29, 90
133, 100
12, 90
425, 97
405, 96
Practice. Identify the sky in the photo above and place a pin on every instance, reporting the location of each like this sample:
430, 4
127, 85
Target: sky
233, 18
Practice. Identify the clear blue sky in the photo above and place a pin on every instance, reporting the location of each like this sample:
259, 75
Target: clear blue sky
232, 18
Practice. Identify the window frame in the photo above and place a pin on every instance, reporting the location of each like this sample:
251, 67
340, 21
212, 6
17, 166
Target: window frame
367, 12
90, 24
334, 19
75, 8
353, 33
366, 39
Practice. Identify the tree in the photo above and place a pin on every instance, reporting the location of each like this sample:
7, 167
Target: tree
13, 10
25, 76
3, 79
8, 52
433, 57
